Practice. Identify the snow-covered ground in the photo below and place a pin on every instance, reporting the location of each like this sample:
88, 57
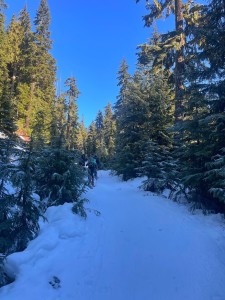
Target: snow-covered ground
141, 247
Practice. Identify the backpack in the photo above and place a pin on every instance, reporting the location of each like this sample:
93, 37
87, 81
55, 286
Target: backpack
92, 163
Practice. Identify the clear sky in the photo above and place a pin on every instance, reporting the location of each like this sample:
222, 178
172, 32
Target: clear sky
90, 39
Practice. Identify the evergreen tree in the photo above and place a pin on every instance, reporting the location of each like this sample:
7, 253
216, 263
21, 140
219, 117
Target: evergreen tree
7, 111
44, 72
72, 114
14, 37
19, 211
109, 125
26, 218
7, 107
100, 145
82, 137
130, 129
26, 97
91, 139
202, 153
59, 121
3, 51
59, 177
158, 167
4, 278
123, 80
172, 43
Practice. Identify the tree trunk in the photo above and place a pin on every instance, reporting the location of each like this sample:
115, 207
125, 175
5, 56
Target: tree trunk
179, 67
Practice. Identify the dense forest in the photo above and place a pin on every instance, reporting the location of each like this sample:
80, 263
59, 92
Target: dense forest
167, 123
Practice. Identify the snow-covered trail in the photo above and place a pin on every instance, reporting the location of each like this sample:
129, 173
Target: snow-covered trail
141, 247
151, 248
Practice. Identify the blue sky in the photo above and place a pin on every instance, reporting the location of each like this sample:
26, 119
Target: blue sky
90, 39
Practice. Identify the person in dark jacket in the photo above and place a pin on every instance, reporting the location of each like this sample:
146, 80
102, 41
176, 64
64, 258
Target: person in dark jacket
83, 160
92, 170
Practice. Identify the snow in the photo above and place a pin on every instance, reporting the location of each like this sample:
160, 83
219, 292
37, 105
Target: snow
141, 247
2, 135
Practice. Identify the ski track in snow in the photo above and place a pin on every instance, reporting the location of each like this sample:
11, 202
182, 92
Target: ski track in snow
141, 247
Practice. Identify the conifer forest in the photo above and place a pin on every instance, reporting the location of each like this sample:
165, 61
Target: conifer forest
166, 125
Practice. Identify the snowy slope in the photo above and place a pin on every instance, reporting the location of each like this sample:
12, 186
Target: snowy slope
141, 247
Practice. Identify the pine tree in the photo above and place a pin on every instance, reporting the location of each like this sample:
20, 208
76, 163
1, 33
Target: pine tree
59, 122
4, 278
7, 111
174, 41
26, 96
59, 177
3, 52
123, 80
158, 167
82, 137
72, 114
14, 37
130, 129
100, 145
19, 213
44, 72
202, 154
91, 139
109, 125
158, 164
7, 107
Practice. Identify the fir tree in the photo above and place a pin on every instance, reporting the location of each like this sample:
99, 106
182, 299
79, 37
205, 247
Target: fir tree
44, 73
174, 41
4, 278
82, 137
130, 129
202, 154
91, 139
109, 125
7, 107
59, 121
72, 113
59, 177
123, 80
3, 51
100, 145
19, 211
27, 213
26, 96
158, 166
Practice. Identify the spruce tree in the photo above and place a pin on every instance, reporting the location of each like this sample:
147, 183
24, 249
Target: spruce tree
172, 43
91, 139
19, 210
131, 133
26, 96
202, 154
3, 50
100, 145
82, 137
59, 121
43, 77
72, 113
14, 37
59, 177
109, 125
7, 104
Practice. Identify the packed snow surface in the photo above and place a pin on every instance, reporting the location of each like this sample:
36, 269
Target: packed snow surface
141, 247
